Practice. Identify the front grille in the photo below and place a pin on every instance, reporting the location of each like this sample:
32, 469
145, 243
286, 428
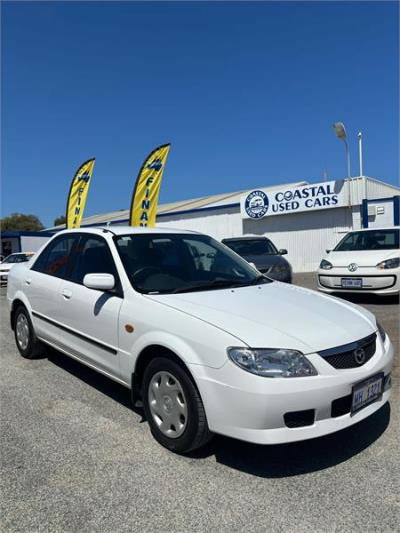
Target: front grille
351, 355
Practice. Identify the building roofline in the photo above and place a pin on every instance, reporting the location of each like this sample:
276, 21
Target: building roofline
214, 204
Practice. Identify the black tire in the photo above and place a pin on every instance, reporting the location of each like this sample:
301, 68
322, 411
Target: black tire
34, 347
196, 433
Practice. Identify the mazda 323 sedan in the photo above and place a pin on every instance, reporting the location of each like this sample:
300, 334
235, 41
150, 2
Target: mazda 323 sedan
203, 340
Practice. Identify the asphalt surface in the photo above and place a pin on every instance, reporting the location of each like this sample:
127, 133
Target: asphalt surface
76, 457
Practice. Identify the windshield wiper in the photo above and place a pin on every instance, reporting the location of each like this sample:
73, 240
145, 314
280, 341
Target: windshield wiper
216, 284
260, 278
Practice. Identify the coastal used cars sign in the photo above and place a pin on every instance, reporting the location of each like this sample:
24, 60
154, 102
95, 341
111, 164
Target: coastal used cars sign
260, 203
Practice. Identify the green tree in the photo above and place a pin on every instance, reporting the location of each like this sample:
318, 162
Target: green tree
60, 220
21, 222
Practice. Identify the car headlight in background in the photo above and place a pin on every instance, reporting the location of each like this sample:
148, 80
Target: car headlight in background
382, 332
389, 263
279, 269
326, 265
272, 362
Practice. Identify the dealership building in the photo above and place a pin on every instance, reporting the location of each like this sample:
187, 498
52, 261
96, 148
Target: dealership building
305, 218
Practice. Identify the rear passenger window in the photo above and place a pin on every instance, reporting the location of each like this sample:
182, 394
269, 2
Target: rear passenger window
93, 257
55, 259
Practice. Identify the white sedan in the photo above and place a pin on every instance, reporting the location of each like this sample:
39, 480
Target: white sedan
365, 260
207, 348
10, 261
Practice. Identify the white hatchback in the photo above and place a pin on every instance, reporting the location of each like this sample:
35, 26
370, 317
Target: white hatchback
365, 260
205, 342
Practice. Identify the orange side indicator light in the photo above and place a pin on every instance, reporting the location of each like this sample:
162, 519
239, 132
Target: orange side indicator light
129, 328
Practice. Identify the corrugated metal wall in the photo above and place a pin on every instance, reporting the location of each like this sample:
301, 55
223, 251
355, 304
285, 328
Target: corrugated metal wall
375, 189
219, 224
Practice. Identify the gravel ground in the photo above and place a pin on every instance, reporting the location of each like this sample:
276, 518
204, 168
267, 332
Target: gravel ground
75, 457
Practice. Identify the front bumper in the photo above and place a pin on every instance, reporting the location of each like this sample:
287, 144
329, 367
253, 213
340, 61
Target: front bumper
373, 280
252, 408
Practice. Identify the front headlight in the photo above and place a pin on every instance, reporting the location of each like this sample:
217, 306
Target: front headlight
382, 332
279, 269
272, 362
326, 265
389, 263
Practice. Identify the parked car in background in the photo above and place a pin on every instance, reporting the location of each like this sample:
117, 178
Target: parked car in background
208, 347
365, 261
264, 255
10, 261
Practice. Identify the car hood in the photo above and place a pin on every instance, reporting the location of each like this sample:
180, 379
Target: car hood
265, 261
367, 258
276, 315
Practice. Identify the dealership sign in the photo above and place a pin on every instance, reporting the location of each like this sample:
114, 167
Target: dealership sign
262, 202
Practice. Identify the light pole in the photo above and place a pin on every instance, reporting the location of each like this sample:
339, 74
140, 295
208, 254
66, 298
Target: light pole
340, 131
360, 157
360, 154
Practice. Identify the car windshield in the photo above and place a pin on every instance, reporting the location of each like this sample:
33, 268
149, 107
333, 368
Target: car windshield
172, 263
17, 258
383, 239
252, 246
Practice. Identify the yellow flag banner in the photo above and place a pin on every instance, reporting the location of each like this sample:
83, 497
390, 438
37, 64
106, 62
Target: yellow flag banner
147, 188
78, 193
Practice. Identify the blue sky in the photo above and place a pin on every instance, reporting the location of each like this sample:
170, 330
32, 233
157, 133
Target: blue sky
245, 92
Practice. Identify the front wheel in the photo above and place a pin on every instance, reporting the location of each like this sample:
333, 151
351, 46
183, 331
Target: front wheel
173, 407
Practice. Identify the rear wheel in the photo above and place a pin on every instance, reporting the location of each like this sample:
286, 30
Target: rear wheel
173, 407
27, 343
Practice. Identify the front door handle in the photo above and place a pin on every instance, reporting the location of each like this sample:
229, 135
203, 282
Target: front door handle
28, 281
66, 293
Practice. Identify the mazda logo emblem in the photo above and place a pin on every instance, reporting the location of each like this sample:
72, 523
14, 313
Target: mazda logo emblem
359, 356
352, 267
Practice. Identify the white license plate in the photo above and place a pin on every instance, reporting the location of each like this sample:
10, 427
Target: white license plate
355, 283
367, 392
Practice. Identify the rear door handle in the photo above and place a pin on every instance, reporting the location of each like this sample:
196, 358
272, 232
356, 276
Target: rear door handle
28, 281
66, 293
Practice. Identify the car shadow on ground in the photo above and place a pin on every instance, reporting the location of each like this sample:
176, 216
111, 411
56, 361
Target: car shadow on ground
272, 461
107, 386
293, 459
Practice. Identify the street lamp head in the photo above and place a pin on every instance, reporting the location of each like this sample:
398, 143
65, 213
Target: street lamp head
340, 130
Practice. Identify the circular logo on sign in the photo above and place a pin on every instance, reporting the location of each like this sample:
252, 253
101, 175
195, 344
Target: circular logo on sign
256, 204
288, 195
359, 356
352, 267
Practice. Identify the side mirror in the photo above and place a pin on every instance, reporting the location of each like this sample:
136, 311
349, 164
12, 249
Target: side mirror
282, 252
328, 250
101, 282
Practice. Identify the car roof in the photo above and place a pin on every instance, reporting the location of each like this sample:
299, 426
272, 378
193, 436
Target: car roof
247, 238
374, 229
125, 230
